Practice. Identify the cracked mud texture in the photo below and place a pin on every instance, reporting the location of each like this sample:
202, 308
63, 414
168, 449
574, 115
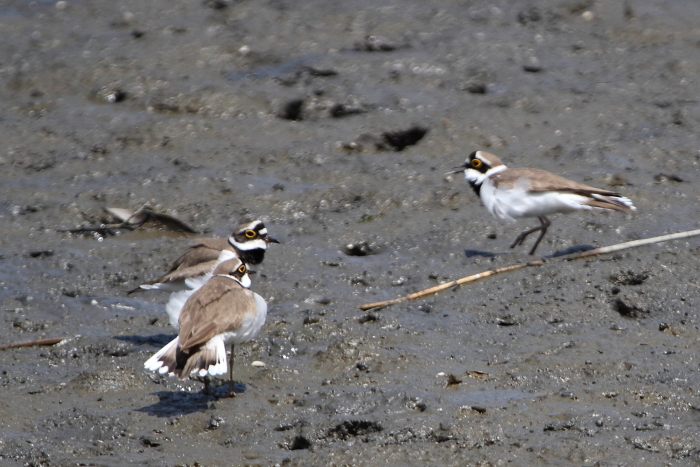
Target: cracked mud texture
180, 104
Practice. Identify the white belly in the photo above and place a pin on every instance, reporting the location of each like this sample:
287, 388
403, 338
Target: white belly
516, 202
251, 324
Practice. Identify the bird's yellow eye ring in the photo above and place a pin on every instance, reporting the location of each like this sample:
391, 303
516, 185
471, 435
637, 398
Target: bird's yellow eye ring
476, 163
250, 234
242, 268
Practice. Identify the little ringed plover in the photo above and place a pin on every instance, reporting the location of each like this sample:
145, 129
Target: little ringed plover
178, 299
511, 194
223, 311
249, 243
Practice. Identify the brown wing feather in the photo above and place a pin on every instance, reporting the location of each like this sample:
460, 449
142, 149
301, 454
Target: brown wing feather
608, 205
219, 306
215, 243
183, 362
201, 359
541, 180
201, 250
183, 273
169, 359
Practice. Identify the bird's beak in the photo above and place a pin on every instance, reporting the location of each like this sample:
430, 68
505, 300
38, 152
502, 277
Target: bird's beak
271, 240
457, 170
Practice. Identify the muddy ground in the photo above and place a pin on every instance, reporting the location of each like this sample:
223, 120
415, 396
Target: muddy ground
220, 111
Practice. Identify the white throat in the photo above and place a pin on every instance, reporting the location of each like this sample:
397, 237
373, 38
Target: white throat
244, 281
257, 244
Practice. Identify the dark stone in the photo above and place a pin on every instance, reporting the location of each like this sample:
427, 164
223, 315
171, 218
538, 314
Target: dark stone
667, 178
531, 15
628, 278
475, 87
563, 426
150, 442
116, 96
300, 442
40, 254
627, 308
216, 4
400, 139
453, 380
507, 320
368, 317
340, 110
316, 72
352, 428
292, 110
357, 249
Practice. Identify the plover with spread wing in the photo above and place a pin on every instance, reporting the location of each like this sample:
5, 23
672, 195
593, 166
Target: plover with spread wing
248, 242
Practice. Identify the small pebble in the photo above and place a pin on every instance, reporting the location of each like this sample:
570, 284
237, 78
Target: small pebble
475, 87
398, 282
215, 422
357, 249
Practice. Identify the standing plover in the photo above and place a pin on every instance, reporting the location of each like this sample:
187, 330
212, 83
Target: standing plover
223, 311
249, 242
510, 194
178, 299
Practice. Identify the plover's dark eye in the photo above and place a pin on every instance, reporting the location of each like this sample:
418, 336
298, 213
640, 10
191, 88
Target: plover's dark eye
250, 234
241, 268
476, 163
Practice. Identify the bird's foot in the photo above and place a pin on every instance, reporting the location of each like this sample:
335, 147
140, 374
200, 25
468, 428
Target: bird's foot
231, 391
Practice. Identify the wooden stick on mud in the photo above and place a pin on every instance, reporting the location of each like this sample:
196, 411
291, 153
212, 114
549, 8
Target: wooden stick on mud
493, 272
49, 341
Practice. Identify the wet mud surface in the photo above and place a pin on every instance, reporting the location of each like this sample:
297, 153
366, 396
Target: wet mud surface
335, 123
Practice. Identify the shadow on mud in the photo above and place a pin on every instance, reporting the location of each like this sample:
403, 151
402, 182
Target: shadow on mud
156, 340
486, 254
571, 250
174, 403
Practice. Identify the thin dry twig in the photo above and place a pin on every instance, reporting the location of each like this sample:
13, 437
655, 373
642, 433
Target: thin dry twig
48, 341
493, 272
